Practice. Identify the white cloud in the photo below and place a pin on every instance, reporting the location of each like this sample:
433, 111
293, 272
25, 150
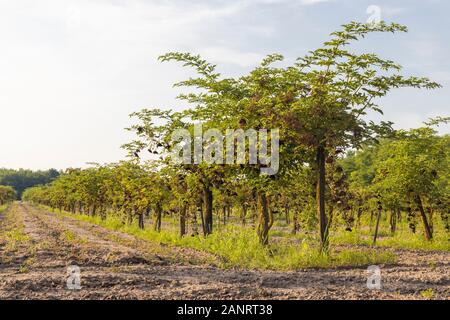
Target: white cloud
392, 11
300, 2
425, 49
226, 55
312, 2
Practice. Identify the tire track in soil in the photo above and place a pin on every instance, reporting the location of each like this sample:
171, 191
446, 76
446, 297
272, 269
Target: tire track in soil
131, 269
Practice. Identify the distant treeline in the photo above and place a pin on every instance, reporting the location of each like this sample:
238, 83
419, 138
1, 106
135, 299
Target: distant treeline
22, 179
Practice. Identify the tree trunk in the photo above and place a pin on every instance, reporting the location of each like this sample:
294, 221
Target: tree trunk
426, 226
208, 210
376, 226
243, 214
430, 219
194, 222
296, 224
411, 219
371, 219
358, 217
183, 213
393, 221
320, 198
224, 215
157, 222
141, 220
200, 211
254, 209
445, 218
287, 213
103, 212
271, 211
348, 217
329, 221
129, 218
263, 219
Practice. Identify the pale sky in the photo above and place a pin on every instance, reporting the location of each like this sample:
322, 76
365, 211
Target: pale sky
72, 71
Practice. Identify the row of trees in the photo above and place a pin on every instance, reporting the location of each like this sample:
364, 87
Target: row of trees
407, 173
318, 104
7, 194
22, 179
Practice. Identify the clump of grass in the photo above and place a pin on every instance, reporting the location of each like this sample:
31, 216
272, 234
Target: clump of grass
432, 265
427, 294
24, 268
71, 237
3, 208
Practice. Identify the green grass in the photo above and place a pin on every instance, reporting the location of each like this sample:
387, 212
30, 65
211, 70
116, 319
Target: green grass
3, 208
238, 246
427, 294
71, 237
15, 235
402, 239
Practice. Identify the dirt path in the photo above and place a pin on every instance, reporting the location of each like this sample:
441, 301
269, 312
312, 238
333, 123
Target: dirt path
114, 265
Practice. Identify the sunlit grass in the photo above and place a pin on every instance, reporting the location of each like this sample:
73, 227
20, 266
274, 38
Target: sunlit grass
71, 237
427, 294
403, 238
3, 208
238, 246
15, 235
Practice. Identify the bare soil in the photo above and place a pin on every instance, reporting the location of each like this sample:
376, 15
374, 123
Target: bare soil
115, 265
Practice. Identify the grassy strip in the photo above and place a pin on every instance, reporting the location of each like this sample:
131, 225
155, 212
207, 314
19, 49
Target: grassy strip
402, 239
14, 234
3, 208
239, 247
